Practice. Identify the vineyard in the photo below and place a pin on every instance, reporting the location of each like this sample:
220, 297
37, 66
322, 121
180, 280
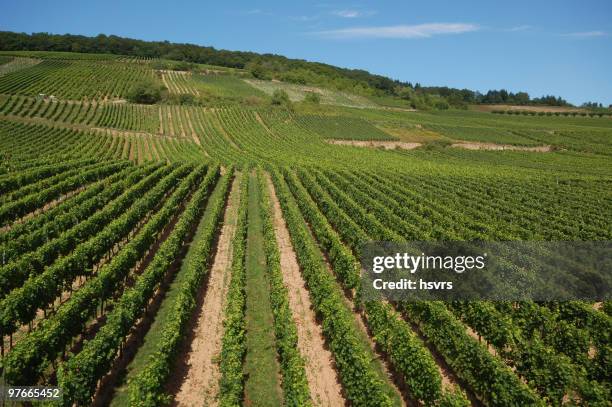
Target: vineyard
208, 254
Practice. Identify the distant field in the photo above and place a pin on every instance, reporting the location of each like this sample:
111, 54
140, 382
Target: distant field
74, 78
342, 128
298, 93
490, 108
229, 86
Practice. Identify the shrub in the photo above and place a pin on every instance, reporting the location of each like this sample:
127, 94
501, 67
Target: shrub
312, 97
441, 104
146, 92
281, 98
253, 101
187, 99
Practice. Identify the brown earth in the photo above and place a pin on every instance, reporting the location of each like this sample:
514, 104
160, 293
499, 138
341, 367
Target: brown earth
325, 388
494, 146
200, 383
412, 135
387, 145
260, 120
194, 135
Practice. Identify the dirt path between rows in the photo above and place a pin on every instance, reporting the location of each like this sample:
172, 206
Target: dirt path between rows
387, 145
217, 123
200, 383
325, 388
264, 125
499, 147
161, 120
194, 135
165, 82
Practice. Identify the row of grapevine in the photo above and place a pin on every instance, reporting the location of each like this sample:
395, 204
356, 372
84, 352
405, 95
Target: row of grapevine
513, 388
408, 356
487, 376
295, 385
79, 375
17, 64
15, 209
13, 274
233, 346
20, 306
361, 384
51, 181
147, 388
341, 127
179, 82
46, 218
24, 141
16, 181
552, 375
75, 79
28, 360
17, 242
93, 113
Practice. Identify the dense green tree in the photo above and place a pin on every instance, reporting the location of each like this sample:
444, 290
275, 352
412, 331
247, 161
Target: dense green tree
312, 97
146, 92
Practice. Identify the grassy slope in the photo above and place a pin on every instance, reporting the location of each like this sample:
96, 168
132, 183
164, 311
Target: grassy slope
164, 313
262, 387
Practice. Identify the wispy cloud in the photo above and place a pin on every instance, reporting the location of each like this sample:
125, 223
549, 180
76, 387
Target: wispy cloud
399, 31
586, 34
519, 28
304, 18
256, 11
352, 13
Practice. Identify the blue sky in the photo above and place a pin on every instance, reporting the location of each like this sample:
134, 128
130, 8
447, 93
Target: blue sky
560, 47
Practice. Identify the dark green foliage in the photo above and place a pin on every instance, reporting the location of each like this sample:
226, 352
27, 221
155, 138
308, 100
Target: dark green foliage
312, 97
146, 92
280, 98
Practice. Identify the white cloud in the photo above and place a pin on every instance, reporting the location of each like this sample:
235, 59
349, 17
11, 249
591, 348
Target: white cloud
400, 31
304, 18
256, 12
347, 13
519, 28
586, 34
353, 13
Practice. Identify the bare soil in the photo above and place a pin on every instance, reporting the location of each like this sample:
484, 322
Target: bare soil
166, 84
412, 135
220, 127
387, 145
171, 125
194, 136
499, 147
161, 120
325, 387
260, 120
199, 383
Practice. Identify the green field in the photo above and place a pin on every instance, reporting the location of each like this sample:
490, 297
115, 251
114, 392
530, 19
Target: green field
113, 240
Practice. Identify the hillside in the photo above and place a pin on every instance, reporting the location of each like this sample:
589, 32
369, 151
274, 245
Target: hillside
270, 66
204, 247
